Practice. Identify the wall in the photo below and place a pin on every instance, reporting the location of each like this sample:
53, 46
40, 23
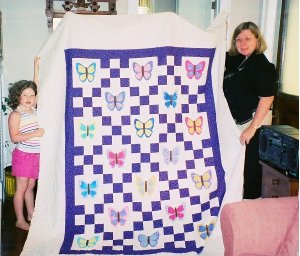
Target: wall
24, 32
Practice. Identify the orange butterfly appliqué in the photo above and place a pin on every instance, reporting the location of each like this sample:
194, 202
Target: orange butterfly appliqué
194, 126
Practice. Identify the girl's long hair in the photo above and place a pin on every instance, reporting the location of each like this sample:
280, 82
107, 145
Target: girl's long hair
15, 91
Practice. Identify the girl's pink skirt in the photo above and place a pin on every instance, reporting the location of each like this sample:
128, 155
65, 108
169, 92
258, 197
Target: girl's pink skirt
25, 164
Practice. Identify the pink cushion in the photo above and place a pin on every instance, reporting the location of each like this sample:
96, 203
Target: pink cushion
290, 244
256, 227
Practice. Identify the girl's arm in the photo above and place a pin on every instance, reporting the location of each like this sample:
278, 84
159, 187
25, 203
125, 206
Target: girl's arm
36, 70
36, 74
14, 124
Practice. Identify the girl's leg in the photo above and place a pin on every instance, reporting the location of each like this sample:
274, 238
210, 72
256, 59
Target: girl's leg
21, 186
29, 198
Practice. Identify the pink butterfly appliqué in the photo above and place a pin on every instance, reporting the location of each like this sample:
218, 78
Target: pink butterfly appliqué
194, 70
116, 159
118, 217
142, 71
176, 212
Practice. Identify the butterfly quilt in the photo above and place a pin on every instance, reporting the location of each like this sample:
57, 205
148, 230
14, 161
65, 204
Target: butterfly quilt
143, 172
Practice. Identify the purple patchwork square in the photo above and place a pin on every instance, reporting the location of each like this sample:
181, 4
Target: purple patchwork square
154, 167
108, 198
105, 82
97, 111
184, 192
163, 118
134, 91
96, 92
87, 102
114, 73
124, 82
144, 100
106, 140
106, 121
125, 120
162, 80
135, 110
153, 90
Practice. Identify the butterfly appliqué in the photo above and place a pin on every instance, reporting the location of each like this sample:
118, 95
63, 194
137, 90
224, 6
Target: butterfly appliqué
194, 70
116, 159
171, 156
115, 101
148, 240
206, 230
118, 217
170, 99
87, 243
142, 71
202, 180
87, 131
144, 128
175, 212
88, 189
194, 126
145, 186
86, 73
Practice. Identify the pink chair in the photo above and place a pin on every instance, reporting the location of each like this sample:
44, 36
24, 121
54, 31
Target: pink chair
268, 226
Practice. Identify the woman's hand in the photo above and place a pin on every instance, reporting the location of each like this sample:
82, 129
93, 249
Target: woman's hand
247, 135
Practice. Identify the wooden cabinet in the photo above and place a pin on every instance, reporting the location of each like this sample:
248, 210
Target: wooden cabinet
276, 184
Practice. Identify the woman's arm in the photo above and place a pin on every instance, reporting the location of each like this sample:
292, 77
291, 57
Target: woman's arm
14, 133
262, 109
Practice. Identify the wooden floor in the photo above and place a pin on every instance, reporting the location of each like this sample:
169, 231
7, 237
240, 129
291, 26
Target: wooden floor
12, 238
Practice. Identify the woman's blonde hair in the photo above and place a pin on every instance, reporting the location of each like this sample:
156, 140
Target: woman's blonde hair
261, 43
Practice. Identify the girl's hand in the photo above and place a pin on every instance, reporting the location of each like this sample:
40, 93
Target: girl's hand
247, 135
39, 132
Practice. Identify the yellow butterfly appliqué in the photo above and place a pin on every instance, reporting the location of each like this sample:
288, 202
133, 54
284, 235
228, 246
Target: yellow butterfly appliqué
202, 180
86, 73
145, 186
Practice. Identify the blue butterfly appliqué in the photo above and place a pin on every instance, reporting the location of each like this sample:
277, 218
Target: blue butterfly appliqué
115, 101
88, 189
170, 99
205, 230
87, 243
149, 240
87, 131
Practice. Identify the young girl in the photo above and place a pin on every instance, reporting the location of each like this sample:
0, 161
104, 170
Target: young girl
25, 132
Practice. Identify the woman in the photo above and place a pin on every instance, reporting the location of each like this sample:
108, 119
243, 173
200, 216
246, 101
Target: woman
249, 87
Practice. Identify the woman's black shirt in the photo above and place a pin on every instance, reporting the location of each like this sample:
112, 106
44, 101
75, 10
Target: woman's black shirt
245, 81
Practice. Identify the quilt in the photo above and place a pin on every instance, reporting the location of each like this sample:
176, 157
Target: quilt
137, 166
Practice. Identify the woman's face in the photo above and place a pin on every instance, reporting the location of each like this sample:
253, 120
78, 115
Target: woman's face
246, 42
